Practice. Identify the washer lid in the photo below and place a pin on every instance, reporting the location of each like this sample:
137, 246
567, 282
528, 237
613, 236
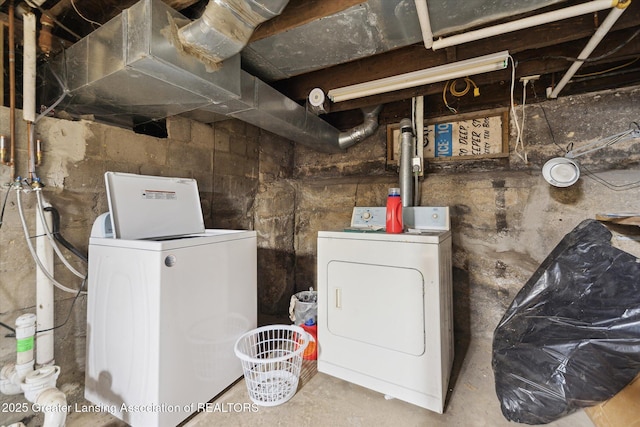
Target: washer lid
561, 172
147, 207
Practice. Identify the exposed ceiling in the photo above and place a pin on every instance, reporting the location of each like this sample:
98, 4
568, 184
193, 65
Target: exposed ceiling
333, 43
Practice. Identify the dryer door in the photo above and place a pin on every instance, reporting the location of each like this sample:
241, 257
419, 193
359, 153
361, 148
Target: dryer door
379, 305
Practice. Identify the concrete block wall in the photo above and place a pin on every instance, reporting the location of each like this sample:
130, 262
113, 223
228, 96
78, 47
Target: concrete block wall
223, 158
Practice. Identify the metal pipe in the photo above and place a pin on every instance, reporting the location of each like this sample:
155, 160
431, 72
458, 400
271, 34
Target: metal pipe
225, 27
406, 154
47, 21
597, 37
358, 133
532, 21
419, 147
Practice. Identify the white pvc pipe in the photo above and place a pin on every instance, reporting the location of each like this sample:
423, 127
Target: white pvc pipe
13, 374
44, 295
597, 37
25, 331
53, 403
425, 22
29, 68
40, 388
532, 21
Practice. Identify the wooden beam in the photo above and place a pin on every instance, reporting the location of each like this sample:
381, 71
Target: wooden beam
300, 12
416, 57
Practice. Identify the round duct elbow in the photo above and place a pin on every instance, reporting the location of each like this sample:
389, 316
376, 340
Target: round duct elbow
367, 128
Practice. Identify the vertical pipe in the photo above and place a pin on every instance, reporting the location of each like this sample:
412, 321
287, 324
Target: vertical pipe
12, 90
597, 37
419, 152
2, 62
406, 154
29, 67
25, 331
29, 87
425, 22
44, 294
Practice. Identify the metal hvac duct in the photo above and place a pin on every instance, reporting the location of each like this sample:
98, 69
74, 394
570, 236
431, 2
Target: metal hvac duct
136, 65
224, 28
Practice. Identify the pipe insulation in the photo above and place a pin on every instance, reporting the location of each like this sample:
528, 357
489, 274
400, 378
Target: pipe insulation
29, 68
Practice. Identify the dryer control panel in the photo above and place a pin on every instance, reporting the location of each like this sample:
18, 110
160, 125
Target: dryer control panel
373, 218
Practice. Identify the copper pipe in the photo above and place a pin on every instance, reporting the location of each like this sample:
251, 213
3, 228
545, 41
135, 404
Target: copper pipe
38, 152
12, 90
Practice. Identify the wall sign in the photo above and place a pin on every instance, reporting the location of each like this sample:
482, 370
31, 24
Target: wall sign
469, 136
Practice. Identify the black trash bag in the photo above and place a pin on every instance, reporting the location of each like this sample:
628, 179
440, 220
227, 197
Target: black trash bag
571, 337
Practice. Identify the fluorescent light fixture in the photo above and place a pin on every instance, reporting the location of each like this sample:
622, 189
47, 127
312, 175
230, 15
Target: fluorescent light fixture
455, 70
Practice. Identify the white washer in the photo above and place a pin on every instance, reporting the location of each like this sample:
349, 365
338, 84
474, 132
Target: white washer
163, 314
385, 318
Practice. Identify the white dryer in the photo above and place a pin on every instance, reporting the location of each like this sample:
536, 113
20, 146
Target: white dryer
167, 300
385, 318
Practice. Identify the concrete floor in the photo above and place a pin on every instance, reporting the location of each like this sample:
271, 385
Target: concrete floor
325, 400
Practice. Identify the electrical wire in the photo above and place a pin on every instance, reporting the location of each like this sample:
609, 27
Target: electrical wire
54, 245
4, 205
520, 138
75, 298
55, 232
54, 19
592, 175
609, 185
4, 325
590, 59
519, 130
599, 73
73, 3
450, 86
65, 90
553, 137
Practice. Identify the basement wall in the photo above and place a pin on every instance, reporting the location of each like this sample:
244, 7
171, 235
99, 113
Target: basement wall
227, 159
505, 217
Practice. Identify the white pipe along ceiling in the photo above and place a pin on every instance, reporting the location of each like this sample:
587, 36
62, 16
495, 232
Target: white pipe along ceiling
602, 31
